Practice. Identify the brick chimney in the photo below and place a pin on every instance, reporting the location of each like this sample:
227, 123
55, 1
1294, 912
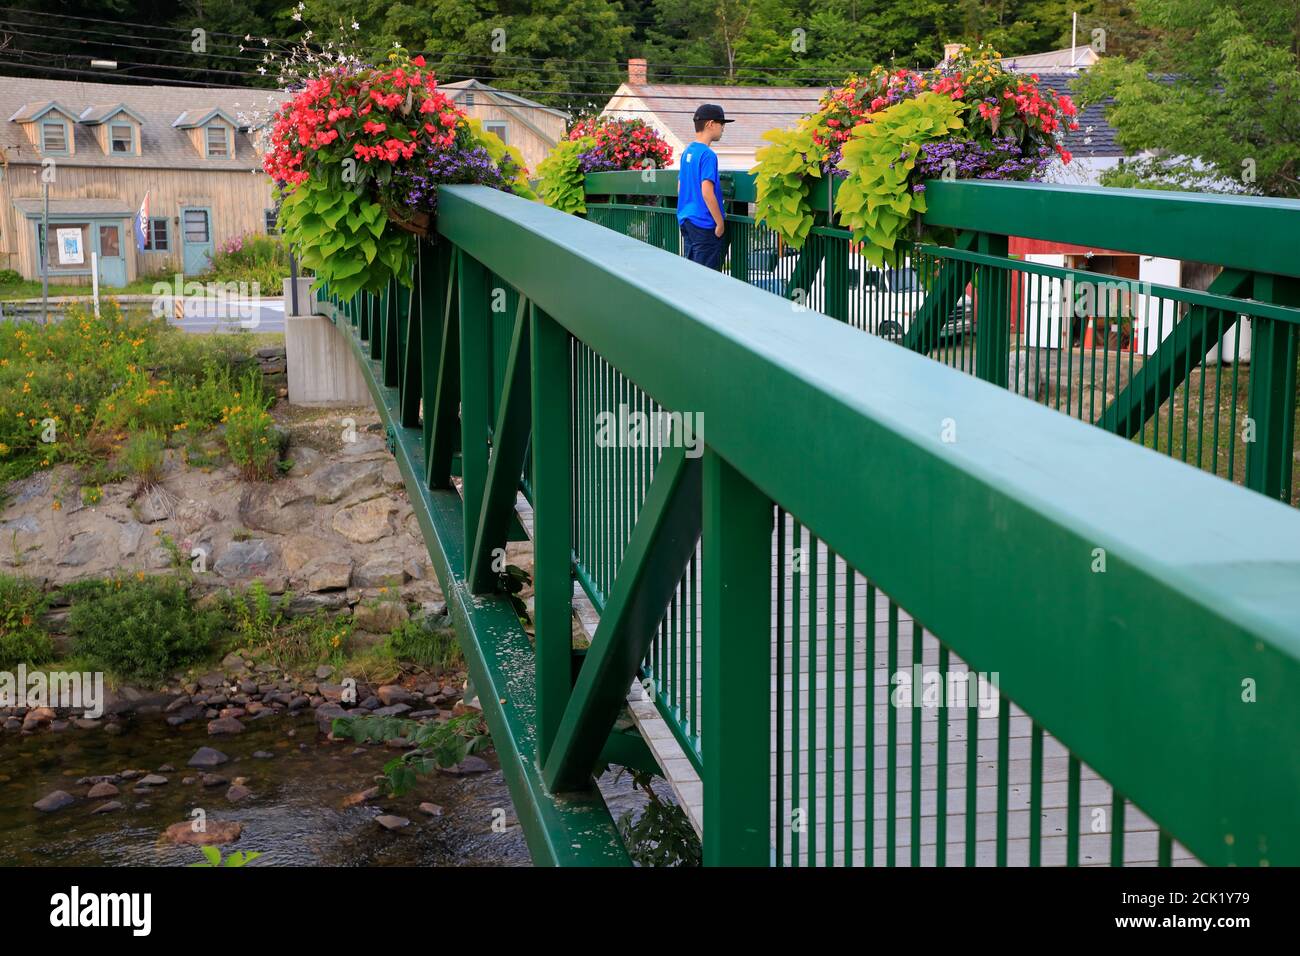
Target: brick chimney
951, 51
636, 72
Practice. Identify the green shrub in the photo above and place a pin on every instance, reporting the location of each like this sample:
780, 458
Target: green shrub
143, 457
261, 624
433, 648
251, 438
561, 181
23, 639
9, 277
141, 629
252, 258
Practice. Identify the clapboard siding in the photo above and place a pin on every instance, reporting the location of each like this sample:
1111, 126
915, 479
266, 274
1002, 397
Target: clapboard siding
238, 200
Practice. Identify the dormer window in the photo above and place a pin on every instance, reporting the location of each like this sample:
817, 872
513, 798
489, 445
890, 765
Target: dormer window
218, 141
122, 138
54, 137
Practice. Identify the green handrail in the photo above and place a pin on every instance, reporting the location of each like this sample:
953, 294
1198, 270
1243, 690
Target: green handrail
1017, 324
1141, 669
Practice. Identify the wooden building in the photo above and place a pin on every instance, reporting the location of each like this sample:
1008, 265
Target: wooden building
100, 148
532, 128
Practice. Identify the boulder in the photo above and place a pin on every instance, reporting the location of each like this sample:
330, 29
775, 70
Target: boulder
394, 694
382, 570
238, 792
330, 574
207, 757
107, 807
278, 506
83, 549
55, 800
432, 809
225, 725
371, 793
245, 559
344, 478
101, 790
390, 822
380, 617
214, 833
365, 522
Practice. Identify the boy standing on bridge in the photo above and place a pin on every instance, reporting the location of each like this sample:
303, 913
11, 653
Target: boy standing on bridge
699, 191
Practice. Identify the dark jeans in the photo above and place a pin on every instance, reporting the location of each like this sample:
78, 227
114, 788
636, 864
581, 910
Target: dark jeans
702, 246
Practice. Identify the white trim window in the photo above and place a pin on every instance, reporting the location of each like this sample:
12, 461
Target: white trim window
121, 139
217, 139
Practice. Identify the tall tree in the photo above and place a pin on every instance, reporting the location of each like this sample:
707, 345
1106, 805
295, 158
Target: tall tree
1216, 98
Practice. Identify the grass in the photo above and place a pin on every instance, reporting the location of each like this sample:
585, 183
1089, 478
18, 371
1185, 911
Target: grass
88, 383
31, 289
1200, 424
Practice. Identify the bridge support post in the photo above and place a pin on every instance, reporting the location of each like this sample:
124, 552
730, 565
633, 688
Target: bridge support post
993, 314
475, 386
1272, 392
552, 529
737, 651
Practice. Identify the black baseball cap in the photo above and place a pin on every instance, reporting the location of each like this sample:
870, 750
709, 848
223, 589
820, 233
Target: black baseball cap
711, 111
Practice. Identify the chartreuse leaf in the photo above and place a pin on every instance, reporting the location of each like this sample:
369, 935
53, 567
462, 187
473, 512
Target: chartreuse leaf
877, 201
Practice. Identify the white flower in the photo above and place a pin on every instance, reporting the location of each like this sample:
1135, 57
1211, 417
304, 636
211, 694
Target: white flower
262, 70
296, 16
355, 25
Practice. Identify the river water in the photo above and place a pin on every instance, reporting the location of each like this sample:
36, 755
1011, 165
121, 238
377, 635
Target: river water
295, 815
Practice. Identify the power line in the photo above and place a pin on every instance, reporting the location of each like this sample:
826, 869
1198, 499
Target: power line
107, 76
491, 58
151, 66
120, 45
124, 23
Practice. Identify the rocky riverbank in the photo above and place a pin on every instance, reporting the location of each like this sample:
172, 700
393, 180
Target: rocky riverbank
337, 532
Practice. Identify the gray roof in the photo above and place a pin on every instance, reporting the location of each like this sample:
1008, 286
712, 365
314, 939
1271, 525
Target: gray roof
755, 109
456, 92
1094, 137
1067, 59
74, 207
103, 112
157, 108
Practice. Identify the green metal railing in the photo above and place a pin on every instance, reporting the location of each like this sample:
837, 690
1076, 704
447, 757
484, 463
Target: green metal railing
1207, 377
855, 509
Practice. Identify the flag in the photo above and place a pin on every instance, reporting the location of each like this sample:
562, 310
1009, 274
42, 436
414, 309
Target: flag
142, 224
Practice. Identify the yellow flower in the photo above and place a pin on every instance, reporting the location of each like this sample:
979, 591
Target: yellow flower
57, 506
139, 575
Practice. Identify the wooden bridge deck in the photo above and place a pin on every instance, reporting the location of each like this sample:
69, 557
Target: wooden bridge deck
1095, 798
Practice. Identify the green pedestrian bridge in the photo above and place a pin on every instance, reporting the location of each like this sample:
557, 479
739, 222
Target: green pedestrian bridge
972, 560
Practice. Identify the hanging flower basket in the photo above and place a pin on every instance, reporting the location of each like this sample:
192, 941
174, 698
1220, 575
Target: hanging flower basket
359, 153
416, 223
884, 133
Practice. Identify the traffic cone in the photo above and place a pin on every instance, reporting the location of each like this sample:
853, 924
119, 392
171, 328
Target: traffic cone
1087, 334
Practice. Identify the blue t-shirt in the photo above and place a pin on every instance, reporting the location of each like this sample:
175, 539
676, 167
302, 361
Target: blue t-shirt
698, 164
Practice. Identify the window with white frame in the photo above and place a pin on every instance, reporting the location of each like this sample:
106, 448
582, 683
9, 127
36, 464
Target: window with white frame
218, 141
121, 137
499, 127
54, 136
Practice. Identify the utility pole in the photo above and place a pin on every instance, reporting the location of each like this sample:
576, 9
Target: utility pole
45, 254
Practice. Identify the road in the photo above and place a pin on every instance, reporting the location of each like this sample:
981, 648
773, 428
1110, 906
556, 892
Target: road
231, 315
